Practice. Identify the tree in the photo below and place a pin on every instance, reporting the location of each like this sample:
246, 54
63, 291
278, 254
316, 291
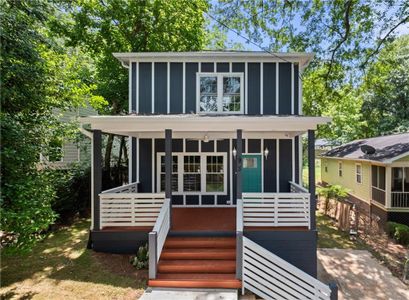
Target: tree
38, 78
105, 27
385, 91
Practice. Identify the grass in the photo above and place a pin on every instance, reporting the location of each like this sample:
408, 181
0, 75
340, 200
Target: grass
317, 172
60, 267
329, 236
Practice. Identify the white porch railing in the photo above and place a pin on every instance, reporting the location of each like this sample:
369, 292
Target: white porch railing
276, 209
271, 277
400, 199
127, 188
157, 237
119, 208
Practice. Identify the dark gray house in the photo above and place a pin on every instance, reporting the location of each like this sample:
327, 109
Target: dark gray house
215, 173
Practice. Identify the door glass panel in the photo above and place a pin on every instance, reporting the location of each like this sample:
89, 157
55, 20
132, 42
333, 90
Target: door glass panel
250, 162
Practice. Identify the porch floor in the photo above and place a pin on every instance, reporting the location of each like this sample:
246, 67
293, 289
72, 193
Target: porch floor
216, 219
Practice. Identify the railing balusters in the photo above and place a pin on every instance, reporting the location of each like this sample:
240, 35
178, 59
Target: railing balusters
400, 199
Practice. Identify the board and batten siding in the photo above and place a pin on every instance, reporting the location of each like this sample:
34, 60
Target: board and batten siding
274, 174
270, 88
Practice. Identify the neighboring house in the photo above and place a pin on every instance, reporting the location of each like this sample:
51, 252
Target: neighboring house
63, 153
215, 173
324, 145
376, 171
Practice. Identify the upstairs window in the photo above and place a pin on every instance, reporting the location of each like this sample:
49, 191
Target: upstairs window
220, 93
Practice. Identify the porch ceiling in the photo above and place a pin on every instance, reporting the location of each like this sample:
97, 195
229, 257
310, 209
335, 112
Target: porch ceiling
195, 126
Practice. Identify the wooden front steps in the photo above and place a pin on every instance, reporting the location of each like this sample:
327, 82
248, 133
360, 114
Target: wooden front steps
197, 262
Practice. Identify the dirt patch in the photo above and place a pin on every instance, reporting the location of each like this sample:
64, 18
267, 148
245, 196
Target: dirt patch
120, 265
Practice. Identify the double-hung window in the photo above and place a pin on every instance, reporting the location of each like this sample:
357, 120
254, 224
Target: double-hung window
340, 169
220, 93
358, 173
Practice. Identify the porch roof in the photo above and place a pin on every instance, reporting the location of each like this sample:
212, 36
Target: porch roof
188, 125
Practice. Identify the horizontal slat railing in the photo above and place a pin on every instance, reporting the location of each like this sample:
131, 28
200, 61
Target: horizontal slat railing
157, 237
130, 209
276, 209
271, 277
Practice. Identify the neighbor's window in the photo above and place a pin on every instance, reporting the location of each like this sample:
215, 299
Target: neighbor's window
358, 173
400, 179
174, 173
214, 174
340, 169
220, 93
55, 151
378, 177
326, 168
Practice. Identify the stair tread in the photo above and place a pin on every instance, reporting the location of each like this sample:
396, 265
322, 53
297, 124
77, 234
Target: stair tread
199, 250
200, 242
202, 262
197, 238
196, 276
227, 284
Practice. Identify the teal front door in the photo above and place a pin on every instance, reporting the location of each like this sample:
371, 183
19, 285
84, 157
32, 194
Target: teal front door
251, 173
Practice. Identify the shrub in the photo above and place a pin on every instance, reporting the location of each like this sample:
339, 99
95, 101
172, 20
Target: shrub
399, 232
141, 260
336, 192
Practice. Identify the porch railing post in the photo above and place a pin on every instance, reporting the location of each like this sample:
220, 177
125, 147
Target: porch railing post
97, 177
239, 151
311, 176
168, 169
153, 261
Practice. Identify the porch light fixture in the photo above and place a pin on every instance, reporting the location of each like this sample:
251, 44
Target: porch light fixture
206, 138
234, 152
266, 151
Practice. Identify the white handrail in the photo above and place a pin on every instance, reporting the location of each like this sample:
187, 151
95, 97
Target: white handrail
162, 227
296, 188
239, 215
127, 188
271, 277
157, 237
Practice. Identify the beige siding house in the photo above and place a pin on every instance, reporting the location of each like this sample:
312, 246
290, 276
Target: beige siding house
376, 172
68, 152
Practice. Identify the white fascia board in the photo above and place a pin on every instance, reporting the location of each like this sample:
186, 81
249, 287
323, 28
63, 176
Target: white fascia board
216, 56
374, 162
194, 123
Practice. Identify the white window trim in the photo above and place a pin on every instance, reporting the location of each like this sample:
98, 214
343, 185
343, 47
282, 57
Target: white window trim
340, 169
360, 174
203, 172
220, 77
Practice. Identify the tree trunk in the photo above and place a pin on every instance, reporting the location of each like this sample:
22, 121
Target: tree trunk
108, 152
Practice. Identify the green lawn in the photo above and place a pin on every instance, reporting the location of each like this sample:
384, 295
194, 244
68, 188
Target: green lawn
317, 172
329, 236
60, 267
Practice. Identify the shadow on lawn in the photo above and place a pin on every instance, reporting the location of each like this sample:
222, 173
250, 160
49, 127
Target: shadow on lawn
63, 256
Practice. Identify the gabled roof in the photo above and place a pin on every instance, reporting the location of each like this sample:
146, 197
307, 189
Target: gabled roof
388, 148
202, 56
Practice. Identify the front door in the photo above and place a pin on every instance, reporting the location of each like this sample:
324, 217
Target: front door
251, 173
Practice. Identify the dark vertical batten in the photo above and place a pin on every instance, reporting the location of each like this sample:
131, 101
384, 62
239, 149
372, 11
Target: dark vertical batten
270, 167
311, 176
284, 89
223, 67
285, 157
134, 165
145, 166
191, 70
297, 159
145, 88
296, 90
97, 170
168, 163
207, 67
254, 146
133, 87
160, 88
253, 105
176, 88
269, 88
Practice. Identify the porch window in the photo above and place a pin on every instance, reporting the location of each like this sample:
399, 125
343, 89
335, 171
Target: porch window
358, 173
220, 93
400, 179
340, 169
191, 174
378, 177
174, 173
214, 174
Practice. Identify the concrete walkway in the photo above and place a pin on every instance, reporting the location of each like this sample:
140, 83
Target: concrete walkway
189, 294
359, 275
